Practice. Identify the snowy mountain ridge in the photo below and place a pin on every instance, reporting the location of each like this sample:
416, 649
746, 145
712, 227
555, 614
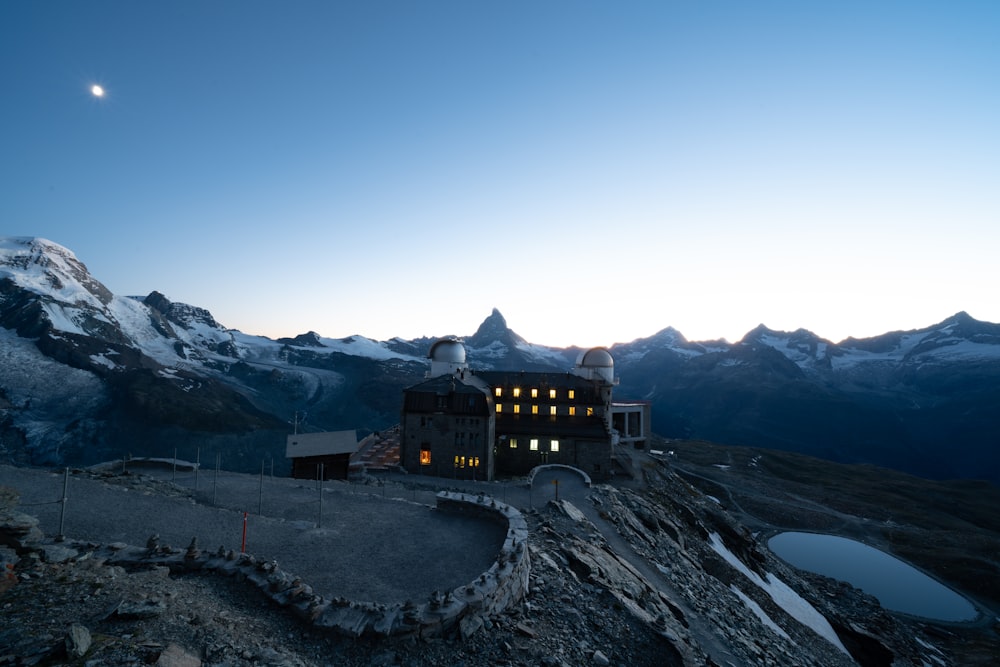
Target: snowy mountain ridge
888, 399
75, 302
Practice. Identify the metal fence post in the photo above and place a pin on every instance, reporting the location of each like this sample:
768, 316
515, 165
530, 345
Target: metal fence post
62, 512
215, 485
260, 493
319, 524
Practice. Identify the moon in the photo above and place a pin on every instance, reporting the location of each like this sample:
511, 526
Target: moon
97, 91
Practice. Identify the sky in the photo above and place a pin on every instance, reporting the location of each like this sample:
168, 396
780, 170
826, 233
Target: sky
597, 171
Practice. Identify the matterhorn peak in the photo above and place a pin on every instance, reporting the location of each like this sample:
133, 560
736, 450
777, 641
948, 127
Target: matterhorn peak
493, 328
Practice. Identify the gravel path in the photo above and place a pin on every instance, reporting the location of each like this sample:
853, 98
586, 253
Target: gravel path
367, 547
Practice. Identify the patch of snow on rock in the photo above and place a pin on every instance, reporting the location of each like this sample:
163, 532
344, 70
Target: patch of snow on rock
783, 596
760, 613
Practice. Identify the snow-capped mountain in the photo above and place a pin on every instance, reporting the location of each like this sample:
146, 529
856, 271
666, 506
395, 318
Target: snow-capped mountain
88, 374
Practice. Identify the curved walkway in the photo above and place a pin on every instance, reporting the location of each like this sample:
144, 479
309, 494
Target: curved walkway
367, 547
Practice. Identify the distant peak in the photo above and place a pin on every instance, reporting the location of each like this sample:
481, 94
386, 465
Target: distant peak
758, 331
492, 329
670, 334
35, 249
308, 339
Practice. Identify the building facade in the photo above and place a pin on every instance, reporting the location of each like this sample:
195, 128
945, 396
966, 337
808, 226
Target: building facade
476, 424
446, 426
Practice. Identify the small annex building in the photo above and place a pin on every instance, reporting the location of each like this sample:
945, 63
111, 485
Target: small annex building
473, 424
330, 449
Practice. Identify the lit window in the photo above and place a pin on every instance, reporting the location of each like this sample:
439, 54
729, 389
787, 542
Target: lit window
552, 410
513, 443
534, 444
517, 392
552, 393
517, 408
499, 391
499, 408
474, 461
572, 394
425, 456
590, 412
534, 393
459, 461
534, 409
572, 410
554, 446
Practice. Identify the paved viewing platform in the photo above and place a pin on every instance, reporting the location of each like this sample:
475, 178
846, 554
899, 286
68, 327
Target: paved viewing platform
374, 542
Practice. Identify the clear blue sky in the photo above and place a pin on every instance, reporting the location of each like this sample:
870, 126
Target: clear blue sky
596, 170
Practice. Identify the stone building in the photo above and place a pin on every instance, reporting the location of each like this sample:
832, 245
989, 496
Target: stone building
475, 424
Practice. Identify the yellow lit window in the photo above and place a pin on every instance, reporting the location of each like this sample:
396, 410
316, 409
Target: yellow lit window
459, 461
474, 461
534, 393
572, 411
534, 444
534, 409
517, 392
513, 443
425, 456
590, 412
552, 410
499, 408
498, 391
517, 408
554, 446
552, 393
572, 394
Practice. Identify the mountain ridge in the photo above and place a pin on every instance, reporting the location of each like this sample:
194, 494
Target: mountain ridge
888, 400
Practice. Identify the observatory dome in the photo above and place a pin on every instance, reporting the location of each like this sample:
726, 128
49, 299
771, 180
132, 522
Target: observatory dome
447, 351
596, 357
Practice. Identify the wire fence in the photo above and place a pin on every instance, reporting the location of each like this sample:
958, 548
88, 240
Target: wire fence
278, 496
365, 527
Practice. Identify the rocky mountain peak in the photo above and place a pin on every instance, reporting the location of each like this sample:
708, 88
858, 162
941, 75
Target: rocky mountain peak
49, 269
669, 336
180, 313
493, 329
308, 339
758, 332
963, 325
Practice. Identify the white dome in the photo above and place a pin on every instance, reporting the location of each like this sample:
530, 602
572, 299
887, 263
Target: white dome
448, 350
596, 357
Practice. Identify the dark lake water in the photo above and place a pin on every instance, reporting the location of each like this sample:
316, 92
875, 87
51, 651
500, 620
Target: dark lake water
897, 585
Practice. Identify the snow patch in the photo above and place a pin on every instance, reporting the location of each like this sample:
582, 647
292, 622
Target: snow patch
782, 594
102, 360
760, 613
359, 346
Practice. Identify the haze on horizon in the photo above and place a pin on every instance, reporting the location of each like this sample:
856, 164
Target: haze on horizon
595, 171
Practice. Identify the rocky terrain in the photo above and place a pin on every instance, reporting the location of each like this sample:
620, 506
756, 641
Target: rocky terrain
644, 572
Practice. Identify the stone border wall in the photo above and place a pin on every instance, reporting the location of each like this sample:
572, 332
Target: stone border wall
558, 466
504, 584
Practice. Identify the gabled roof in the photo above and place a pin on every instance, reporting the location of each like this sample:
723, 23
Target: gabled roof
446, 384
327, 443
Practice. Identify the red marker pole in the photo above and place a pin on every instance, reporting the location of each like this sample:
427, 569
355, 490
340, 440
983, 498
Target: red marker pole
243, 544
556, 482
